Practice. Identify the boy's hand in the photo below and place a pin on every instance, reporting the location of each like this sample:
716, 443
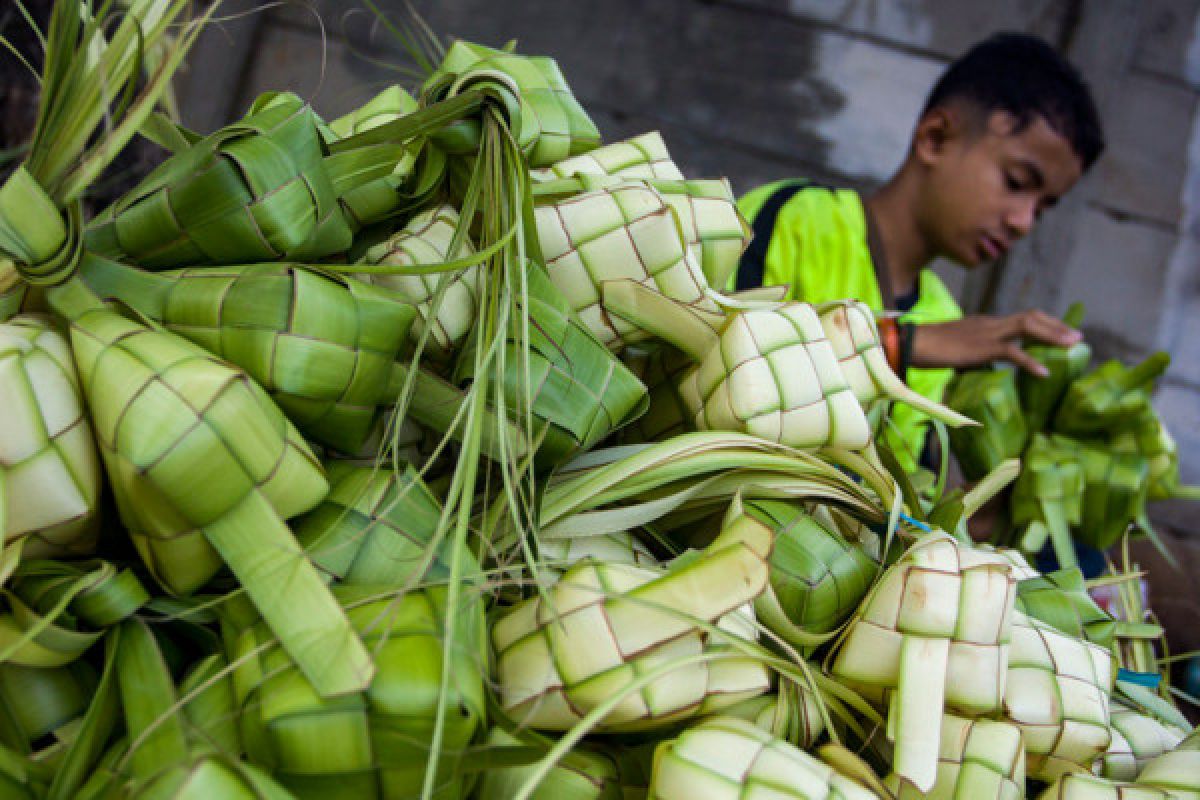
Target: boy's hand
980, 339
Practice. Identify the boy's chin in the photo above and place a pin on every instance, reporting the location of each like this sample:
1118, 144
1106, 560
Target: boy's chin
966, 260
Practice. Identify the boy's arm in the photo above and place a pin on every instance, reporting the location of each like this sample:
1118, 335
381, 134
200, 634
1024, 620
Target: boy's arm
978, 340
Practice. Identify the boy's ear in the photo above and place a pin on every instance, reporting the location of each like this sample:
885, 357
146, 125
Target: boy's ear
936, 128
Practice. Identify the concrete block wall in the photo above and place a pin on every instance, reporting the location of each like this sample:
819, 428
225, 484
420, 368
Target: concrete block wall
762, 89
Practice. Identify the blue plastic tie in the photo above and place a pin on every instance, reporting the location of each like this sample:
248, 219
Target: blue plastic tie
915, 523
1150, 680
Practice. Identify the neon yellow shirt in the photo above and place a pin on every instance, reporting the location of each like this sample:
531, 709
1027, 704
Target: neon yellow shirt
819, 249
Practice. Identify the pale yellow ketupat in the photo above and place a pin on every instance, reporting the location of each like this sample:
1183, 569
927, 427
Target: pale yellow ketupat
936, 629
731, 759
1057, 692
601, 626
766, 370
642, 156
617, 230
49, 466
978, 758
1136, 739
425, 240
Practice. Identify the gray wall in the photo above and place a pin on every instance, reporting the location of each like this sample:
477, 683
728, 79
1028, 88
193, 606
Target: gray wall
761, 89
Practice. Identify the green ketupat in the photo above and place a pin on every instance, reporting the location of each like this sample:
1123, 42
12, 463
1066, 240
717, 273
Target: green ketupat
233, 441
253, 191
374, 526
818, 576
170, 417
550, 123
990, 398
1109, 396
375, 743
322, 345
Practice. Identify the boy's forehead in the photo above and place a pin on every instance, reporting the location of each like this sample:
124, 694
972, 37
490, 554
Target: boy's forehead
1038, 145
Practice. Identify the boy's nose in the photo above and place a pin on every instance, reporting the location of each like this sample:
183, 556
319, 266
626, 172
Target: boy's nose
1021, 218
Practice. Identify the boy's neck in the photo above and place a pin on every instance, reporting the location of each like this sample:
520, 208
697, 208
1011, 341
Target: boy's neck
905, 248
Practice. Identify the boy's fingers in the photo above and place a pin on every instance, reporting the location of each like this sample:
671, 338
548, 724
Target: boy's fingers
1045, 328
1017, 355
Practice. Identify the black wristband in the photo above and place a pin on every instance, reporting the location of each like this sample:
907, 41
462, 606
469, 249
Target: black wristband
907, 332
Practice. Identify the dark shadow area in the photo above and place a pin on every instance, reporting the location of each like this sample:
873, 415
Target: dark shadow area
729, 99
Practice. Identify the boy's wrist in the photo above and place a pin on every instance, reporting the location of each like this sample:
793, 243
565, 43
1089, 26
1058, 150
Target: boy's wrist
889, 338
897, 341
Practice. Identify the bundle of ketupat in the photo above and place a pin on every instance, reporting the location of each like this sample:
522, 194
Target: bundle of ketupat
1099, 424
355, 385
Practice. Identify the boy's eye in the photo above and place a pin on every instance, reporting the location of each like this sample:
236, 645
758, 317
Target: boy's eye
1012, 182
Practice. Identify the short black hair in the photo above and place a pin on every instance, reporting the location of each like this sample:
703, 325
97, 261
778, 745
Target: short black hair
1025, 76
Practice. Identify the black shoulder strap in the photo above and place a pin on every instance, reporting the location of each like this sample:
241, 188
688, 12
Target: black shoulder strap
753, 264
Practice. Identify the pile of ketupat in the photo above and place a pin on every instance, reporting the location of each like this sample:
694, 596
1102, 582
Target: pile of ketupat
447, 473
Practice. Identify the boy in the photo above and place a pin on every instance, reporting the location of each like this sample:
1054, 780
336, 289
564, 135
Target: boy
1007, 130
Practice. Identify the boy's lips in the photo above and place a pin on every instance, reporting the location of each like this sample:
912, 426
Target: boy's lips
992, 247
